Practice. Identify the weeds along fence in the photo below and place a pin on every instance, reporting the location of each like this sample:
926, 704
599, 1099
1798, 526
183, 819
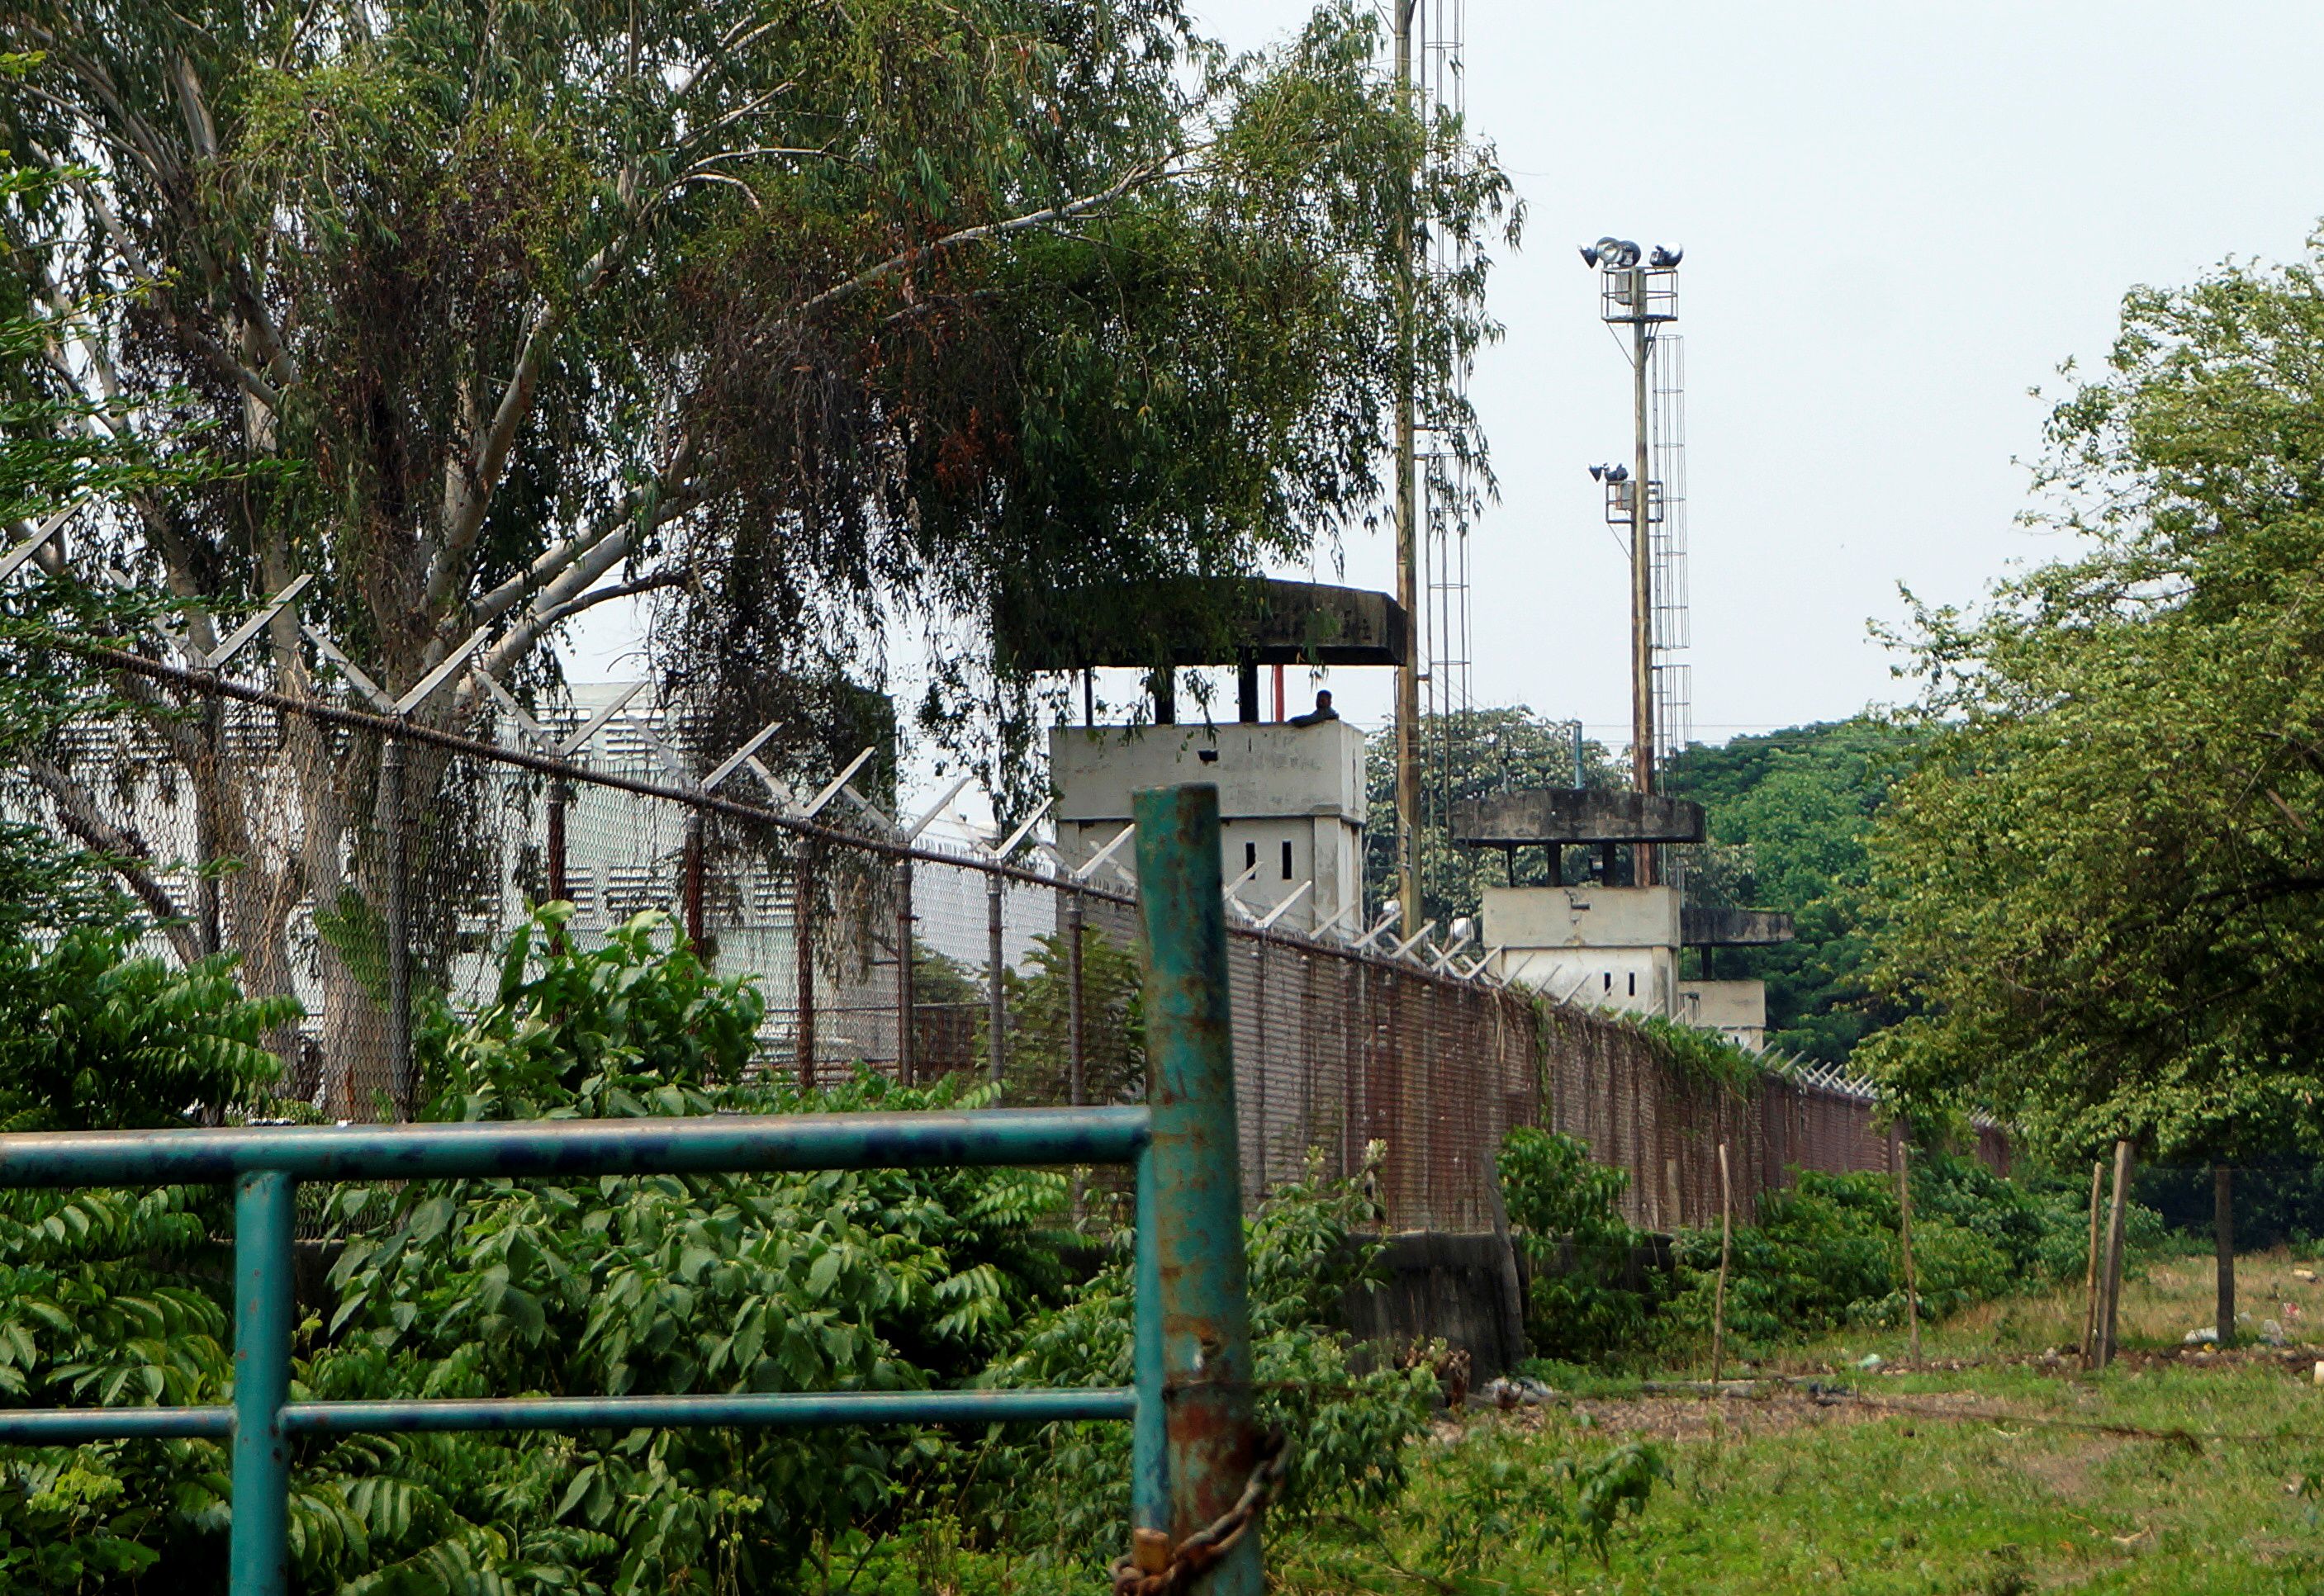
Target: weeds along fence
375, 866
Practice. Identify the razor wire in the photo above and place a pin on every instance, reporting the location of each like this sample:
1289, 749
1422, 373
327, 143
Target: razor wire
375, 864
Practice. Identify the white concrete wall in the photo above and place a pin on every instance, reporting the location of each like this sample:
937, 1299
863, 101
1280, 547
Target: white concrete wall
1582, 916
1280, 787
1736, 1010
1262, 769
1610, 947
1638, 980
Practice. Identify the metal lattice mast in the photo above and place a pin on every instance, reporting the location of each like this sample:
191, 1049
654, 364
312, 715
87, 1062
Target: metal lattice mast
1407, 564
1673, 680
1446, 487
1640, 292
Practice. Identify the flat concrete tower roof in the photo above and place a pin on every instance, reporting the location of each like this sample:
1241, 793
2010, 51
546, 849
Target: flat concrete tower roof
1709, 927
1575, 814
1200, 621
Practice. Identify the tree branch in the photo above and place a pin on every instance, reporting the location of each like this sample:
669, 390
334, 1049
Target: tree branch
563, 596
124, 852
552, 562
675, 577
1156, 172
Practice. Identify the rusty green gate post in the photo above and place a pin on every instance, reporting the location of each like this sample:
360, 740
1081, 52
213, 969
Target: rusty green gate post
1211, 1446
259, 1556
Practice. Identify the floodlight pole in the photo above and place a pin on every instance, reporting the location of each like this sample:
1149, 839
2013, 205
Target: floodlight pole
1642, 580
1407, 570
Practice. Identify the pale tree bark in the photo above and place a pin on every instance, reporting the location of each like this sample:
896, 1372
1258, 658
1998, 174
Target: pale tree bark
421, 583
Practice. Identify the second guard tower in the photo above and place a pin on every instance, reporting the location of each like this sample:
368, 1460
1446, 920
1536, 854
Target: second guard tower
1606, 942
1602, 943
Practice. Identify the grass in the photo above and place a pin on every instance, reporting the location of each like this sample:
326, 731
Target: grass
1982, 1469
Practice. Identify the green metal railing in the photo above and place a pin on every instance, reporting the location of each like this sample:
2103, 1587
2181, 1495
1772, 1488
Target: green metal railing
1192, 1443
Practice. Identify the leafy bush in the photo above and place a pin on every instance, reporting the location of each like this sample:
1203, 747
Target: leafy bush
1040, 1032
874, 1279
1348, 1428
1826, 1251
1588, 1299
1500, 1495
877, 1279
113, 1298
1701, 1055
94, 1037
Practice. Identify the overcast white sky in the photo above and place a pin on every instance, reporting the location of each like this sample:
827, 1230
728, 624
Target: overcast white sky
1897, 218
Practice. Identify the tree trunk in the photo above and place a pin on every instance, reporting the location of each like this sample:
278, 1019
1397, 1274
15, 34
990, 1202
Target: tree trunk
2223, 1234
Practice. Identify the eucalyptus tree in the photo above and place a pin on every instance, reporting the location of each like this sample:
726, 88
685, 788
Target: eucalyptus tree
2103, 887
815, 320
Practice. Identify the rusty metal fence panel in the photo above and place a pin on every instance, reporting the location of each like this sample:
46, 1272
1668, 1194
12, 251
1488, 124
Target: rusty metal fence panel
373, 868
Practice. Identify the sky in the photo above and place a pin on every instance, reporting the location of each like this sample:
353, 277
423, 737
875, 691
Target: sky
1898, 218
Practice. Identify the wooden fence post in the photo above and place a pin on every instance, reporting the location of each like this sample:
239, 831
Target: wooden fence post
2110, 1284
2091, 1274
2223, 1243
1726, 1245
1904, 1234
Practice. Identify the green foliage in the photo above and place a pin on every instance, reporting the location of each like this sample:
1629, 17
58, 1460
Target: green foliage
1699, 1055
61, 448
1040, 1032
589, 1031
1826, 1252
1348, 1429
116, 1298
935, 301
1590, 1301
1501, 1495
882, 1280
93, 1037
1790, 812
2100, 885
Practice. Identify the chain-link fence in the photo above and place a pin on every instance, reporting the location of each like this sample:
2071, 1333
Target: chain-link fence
369, 864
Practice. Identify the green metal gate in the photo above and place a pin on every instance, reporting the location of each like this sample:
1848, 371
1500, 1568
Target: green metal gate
1195, 1464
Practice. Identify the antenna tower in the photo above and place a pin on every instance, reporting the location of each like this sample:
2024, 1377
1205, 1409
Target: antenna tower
1446, 487
1673, 679
1639, 291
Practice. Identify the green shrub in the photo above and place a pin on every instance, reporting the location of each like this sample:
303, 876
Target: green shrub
115, 1298
1588, 1300
873, 1279
1826, 1252
95, 1037
1348, 1430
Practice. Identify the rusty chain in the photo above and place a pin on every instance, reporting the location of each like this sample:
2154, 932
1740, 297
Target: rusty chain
1174, 1569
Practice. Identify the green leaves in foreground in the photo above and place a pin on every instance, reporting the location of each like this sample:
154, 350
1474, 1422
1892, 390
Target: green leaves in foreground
879, 1279
93, 1036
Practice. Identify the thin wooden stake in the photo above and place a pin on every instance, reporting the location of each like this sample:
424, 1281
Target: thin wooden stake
1905, 1232
1726, 1247
2110, 1282
2223, 1241
2090, 1275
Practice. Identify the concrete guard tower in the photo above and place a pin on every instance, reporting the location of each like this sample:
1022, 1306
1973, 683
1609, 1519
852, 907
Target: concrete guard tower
1736, 1010
1602, 942
1291, 796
